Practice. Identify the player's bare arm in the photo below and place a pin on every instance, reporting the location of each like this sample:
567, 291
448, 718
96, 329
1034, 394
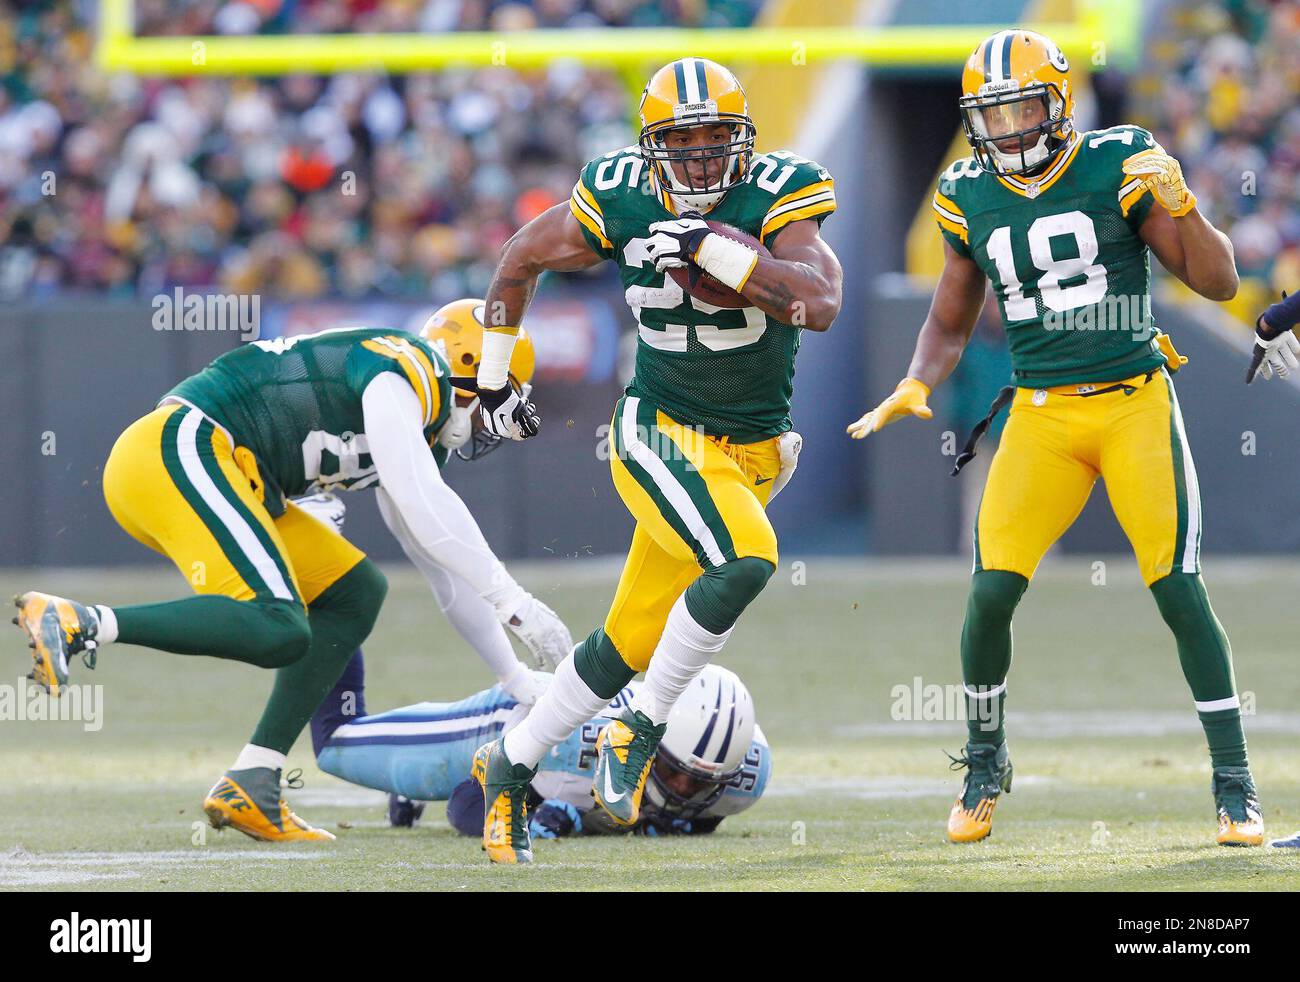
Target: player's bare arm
1194, 250
551, 241
944, 335
951, 320
802, 283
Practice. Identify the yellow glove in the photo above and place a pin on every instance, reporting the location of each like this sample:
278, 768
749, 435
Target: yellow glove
908, 399
1163, 176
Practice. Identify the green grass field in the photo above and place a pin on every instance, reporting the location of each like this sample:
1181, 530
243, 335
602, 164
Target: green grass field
1112, 780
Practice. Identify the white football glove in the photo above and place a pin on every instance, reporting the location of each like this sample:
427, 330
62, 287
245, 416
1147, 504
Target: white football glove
508, 413
674, 243
1273, 355
326, 508
542, 632
526, 686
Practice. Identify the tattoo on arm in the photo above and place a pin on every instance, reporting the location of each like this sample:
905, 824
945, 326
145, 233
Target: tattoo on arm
773, 296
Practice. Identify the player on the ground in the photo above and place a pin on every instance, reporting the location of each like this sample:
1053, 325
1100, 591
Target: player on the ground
702, 437
204, 478
714, 760
1061, 223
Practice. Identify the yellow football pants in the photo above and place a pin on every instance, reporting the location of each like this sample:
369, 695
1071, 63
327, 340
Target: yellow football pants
698, 502
172, 481
1055, 446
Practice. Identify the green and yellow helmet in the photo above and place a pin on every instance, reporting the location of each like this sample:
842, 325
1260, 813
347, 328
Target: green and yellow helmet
1017, 102
687, 93
456, 330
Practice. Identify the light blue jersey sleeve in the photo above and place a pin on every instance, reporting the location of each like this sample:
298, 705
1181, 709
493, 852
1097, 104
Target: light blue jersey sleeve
420, 751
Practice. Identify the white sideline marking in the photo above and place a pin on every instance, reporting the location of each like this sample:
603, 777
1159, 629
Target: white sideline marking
878, 788
46, 878
19, 868
1076, 723
170, 857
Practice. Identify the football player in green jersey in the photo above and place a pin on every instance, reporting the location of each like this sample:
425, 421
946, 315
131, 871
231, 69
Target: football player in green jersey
701, 439
204, 478
1061, 222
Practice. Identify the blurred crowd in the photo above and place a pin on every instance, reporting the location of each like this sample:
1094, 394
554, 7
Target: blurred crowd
1222, 93
296, 187
366, 186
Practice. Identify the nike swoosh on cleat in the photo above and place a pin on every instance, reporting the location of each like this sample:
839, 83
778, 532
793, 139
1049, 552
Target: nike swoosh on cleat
610, 796
761, 480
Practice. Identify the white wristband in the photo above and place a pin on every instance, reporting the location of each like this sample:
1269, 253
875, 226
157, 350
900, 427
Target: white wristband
494, 363
726, 260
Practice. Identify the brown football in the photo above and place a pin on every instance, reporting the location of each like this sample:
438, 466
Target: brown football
707, 288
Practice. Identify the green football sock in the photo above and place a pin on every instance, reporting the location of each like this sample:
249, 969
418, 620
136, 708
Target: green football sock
1206, 657
341, 618
986, 651
265, 633
600, 666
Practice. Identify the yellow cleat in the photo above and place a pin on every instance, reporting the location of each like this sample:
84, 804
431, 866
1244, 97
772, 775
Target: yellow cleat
249, 801
988, 775
625, 750
56, 629
1241, 822
971, 825
506, 838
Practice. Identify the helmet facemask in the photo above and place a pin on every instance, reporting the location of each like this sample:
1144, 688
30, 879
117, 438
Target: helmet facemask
706, 789
694, 191
996, 126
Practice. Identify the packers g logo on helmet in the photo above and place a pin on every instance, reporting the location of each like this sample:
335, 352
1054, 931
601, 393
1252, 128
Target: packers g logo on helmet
1017, 104
456, 331
692, 92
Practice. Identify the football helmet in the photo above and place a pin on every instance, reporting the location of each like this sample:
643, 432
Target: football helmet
709, 733
1017, 103
456, 331
687, 93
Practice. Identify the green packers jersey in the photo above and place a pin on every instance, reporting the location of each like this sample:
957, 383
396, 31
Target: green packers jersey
1062, 251
295, 402
730, 372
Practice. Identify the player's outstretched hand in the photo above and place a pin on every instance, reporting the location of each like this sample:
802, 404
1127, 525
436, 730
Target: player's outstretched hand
526, 686
907, 399
554, 819
1277, 349
542, 633
508, 414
